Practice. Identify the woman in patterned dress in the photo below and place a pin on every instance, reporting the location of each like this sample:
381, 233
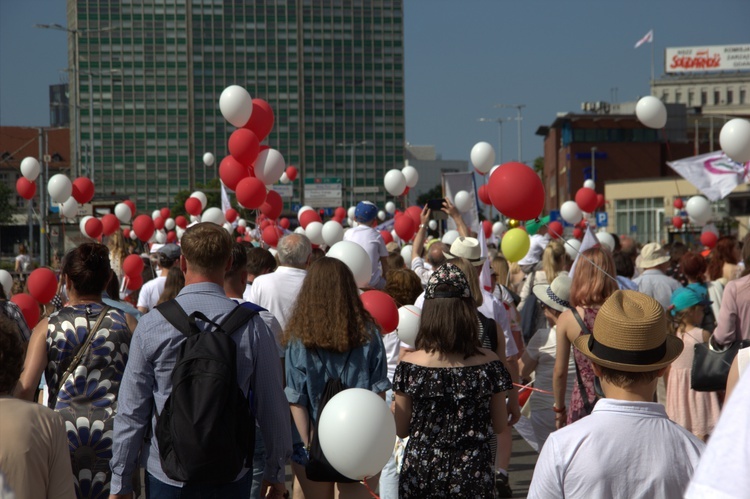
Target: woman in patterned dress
450, 397
87, 397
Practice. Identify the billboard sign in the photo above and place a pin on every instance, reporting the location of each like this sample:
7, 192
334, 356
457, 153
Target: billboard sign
707, 58
323, 192
284, 190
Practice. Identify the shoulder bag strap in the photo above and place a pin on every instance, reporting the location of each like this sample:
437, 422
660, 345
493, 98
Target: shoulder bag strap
237, 318
581, 387
176, 315
91, 332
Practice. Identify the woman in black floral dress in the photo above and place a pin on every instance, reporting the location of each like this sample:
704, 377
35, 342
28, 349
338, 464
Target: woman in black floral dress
87, 398
449, 397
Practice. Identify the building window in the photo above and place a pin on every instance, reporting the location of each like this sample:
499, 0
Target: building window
742, 96
665, 96
691, 98
642, 218
717, 97
704, 98
730, 96
678, 97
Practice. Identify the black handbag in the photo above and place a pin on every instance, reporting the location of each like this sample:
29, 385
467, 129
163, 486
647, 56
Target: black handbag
710, 368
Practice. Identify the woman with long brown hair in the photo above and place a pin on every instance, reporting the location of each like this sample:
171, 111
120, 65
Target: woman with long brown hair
330, 334
722, 264
173, 285
593, 282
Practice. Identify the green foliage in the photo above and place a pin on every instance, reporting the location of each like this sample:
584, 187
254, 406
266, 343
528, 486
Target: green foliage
212, 190
434, 193
7, 209
539, 165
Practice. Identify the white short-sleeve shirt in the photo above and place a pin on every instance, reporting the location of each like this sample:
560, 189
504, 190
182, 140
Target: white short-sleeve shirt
373, 244
151, 291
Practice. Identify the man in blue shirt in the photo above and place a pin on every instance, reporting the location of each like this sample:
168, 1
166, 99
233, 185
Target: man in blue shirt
146, 384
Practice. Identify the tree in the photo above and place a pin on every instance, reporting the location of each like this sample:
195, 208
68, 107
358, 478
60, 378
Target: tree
539, 165
7, 209
212, 190
434, 193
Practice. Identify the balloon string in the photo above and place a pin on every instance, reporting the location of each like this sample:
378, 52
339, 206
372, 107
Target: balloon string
529, 387
373, 494
579, 253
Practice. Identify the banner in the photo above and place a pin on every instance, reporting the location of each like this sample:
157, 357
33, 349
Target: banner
707, 58
714, 174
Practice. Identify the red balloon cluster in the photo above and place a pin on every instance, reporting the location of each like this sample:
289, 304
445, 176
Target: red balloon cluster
42, 284
181, 221
83, 190
677, 222
577, 233
244, 146
132, 265
308, 216
273, 205
387, 236
231, 215
678, 203
284, 223
586, 199
415, 213
382, 308
251, 193
261, 120
709, 239
25, 188
487, 227
110, 224
516, 191
93, 228
484, 194
159, 223
29, 308
271, 235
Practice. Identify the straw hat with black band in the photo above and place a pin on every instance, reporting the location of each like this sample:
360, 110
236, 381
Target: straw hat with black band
630, 334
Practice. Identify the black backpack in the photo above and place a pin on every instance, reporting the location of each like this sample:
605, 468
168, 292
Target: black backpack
318, 469
206, 431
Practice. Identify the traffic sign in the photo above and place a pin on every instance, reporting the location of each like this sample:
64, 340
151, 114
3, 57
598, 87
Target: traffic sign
602, 219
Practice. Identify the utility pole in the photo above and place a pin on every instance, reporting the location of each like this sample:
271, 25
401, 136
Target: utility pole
519, 118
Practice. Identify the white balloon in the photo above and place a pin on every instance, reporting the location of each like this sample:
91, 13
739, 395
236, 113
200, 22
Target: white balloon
450, 236
302, 210
406, 254
209, 159
390, 207
395, 182
314, 232
735, 139
462, 200
214, 215
284, 179
269, 166
160, 236
432, 224
202, 197
155, 214
169, 223
408, 324
394, 235
69, 208
651, 112
699, 209
30, 168
493, 169
236, 105
355, 257
82, 224
299, 230
332, 233
60, 188
123, 213
179, 231
606, 239
381, 215
133, 235
482, 157
411, 175
361, 416
498, 228
589, 184
242, 222
350, 212
194, 219
570, 212
572, 246
228, 227
6, 281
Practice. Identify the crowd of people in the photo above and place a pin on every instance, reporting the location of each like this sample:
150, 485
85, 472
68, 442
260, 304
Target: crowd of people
605, 343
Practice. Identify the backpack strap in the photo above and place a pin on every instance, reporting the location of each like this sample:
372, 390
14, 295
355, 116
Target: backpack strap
176, 315
587, 405
237, 318
184, 323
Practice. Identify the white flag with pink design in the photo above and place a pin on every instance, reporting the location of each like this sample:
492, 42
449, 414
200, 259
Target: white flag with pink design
714, 174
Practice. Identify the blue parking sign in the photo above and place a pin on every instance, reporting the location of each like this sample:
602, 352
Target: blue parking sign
602, 219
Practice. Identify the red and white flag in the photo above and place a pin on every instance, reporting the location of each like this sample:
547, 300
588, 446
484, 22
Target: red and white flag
649, 38
714, 174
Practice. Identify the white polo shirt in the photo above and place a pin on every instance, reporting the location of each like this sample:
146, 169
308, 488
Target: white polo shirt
277, 292
624, 449
151, 291
373, 244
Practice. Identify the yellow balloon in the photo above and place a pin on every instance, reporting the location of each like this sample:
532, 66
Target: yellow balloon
515, 244
513, 223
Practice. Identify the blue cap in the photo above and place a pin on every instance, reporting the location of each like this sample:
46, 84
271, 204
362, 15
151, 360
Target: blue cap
365, 212
684, 298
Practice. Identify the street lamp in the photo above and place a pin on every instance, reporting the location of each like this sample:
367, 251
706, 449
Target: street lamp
519, 118
351, 146
499, 122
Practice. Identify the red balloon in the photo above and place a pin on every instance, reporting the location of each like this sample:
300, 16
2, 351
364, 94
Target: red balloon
271, 235
93, 228
25, 188
678, 203
273, 205
131, 205
244, 146
29, 308
165, 213
42, 284
193, 206
586, 199
231, 172
339, 212
264, 224
387, 236
484, 194
143, 226
171, 236
309, 216
240, 229
134, 282
677, 221
231, 215
397, 214
159, 223
284, 223
181, 221
577, 233
516, 191
709, 239
291, 173
83, 190
126, 233
405, 227
261, 119
415, 213
487, 226
251, 193
382, 308
600, 202
555, 229
110, 224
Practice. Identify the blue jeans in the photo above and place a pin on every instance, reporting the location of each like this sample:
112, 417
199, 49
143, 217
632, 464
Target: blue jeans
157, 489
259, 464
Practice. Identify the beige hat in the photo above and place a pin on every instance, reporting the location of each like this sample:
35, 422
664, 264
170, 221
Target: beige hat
468, 248
630, 334
555, 295
653, 255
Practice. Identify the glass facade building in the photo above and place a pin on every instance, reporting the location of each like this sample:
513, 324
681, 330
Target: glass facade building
151, 73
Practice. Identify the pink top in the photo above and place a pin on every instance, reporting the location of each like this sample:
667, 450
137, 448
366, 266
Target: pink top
733, 323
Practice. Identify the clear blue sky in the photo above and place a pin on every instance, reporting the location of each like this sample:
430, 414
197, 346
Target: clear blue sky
462, 57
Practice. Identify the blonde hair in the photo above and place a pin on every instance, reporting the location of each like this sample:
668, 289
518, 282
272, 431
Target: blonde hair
591, 285
553, 259
117, 246
500, 266
472, 276
207, 247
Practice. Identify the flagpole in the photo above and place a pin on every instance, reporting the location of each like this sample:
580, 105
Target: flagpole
652, 59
